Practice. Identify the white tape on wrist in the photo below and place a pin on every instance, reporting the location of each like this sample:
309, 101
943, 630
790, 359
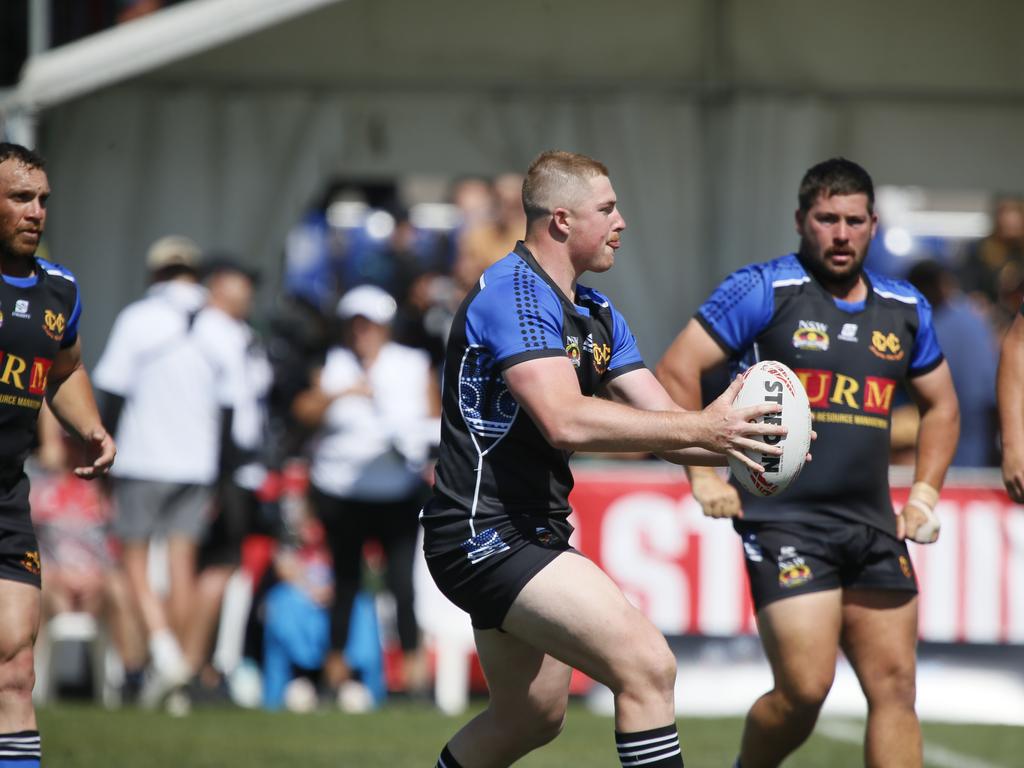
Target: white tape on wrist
924, 498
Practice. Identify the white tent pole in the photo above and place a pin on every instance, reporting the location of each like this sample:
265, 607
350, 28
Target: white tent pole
39, 25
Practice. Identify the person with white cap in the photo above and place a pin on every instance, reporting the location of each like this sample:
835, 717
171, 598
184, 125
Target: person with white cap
163, 395
376, 410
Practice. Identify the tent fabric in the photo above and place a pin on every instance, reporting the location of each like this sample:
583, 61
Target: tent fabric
702, 190
224, 120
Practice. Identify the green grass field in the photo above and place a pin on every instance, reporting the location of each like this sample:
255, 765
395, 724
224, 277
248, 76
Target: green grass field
82, 736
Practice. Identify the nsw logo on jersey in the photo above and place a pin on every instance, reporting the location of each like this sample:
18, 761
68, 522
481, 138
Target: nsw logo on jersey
811, 335
886, 345
54, 324
572, 349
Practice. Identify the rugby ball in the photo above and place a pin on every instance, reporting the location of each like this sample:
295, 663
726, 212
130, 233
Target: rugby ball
770, 381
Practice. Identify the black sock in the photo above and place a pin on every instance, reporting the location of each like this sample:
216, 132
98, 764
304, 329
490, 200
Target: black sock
446, 760
656, 748
21, 748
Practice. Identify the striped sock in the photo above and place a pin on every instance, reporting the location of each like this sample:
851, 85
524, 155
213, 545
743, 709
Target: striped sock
656, 748
444, 761
20, 750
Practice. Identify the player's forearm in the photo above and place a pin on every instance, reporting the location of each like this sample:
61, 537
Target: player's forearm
683, 385
72, 402
591, 424
1009, 390
936, 442
698, 459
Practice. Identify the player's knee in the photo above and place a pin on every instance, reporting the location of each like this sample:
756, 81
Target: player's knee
547, 725
538, 724
17, 672
895, 686
807, 693
653, 666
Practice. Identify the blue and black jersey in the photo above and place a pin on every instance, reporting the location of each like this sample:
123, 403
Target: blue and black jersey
850, 356
38, 317
494, 462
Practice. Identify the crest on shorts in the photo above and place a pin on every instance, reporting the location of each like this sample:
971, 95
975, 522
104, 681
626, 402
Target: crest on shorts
30, 562
793, 569
905, 566
483, 545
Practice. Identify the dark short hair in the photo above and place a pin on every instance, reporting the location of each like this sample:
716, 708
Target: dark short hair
24, 155
837, 176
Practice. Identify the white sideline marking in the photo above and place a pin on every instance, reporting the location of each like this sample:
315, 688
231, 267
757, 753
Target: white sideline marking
840, 730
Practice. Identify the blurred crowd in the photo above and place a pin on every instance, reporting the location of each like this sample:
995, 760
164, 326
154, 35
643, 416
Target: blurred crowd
298, 455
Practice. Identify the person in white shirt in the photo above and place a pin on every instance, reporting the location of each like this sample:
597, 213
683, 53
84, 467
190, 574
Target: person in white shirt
376, 408
246, 376
164, 394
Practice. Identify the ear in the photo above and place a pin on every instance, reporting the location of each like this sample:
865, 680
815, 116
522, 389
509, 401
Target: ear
874, 225
560, 220
799, 217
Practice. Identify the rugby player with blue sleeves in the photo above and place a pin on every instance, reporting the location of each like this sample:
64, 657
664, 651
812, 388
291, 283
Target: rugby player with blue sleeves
827, 560
40, 358
528, 348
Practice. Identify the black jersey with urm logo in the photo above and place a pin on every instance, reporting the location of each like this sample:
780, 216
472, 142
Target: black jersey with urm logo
851, 358
38, 318
494, 462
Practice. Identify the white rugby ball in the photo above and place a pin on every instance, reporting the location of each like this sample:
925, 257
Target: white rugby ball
770, 381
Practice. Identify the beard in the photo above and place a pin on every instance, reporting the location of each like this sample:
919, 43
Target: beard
819, 266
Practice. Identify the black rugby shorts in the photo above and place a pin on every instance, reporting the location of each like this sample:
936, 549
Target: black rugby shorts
485, 573
19, 550
785, 559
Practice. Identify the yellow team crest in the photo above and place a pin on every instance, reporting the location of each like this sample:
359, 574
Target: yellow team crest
30, 562
54, 324
886, 345
602, 356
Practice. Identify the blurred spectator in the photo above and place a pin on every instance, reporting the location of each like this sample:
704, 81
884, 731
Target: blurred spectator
298, 339
296, 611
79, 554
171, 386
994, 268
375, 407
968, 342
425, 316
222, 325
483, 243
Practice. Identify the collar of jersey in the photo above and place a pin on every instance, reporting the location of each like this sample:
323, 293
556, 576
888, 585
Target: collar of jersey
850, 307
22, 282
524, 253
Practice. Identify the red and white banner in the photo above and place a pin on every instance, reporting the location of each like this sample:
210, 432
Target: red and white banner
642, 526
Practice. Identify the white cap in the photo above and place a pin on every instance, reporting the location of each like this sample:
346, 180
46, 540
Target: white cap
172, 251
369, 301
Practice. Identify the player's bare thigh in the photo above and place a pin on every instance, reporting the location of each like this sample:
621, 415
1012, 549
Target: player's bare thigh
880, 636
800, 635
522, 679
574, 611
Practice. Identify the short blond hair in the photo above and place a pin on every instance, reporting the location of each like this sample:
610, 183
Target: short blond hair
557, 179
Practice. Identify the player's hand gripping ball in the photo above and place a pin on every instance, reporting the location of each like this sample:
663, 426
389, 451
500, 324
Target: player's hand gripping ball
773, 382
